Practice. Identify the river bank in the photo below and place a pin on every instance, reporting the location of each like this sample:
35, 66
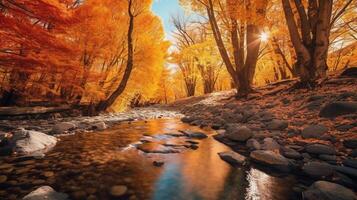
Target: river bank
309, 133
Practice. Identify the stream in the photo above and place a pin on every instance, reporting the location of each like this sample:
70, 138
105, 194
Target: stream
87, 165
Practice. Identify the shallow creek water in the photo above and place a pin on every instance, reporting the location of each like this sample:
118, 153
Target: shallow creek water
87, 165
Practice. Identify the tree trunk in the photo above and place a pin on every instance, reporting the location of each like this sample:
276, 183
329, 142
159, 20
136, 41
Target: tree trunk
104, 105
312, 48
322, 38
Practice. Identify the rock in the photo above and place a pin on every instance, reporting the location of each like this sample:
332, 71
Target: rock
27, 142
286, 101
314, 131
350, 143
320, 149
325, 157
266, 116
317, 169
48, 174
99, 126
344, 180
350, 72
151, 147
352, 172
338, 108
3, 179
118, 190
192, 142
158, 163
253, 144
345, 127
45, 193
232, 117
79, 195
270, 144
277, 125
194, 135
271, 159
291, 153
62, 127
232, 157
350, 163
315, 98
323, 190
238, 133
187, 119
354, 153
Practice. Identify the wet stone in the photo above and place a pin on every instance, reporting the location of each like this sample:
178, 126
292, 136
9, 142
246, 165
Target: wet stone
156, 148
118, 190
38, 182
194, 135
271, 159
48, 174
158, 163
79, 195
45, 193
3, 179
232, 157
6, 166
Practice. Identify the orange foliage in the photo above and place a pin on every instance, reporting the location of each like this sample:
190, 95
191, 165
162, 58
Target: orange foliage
75, 52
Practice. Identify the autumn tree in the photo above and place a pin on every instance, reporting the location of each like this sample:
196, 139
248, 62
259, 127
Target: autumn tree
310, 35
243, 20
79, 53
33, 46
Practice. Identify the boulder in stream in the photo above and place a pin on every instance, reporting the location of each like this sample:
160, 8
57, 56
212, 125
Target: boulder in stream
232, 157
118, 190
46, 193
63, 127
194, 134
28, 142
100, 126
271, 159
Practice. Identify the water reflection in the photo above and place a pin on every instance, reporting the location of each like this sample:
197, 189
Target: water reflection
90, 163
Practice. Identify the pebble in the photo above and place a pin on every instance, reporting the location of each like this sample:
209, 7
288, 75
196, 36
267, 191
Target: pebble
118, 190
158, 163
3, 179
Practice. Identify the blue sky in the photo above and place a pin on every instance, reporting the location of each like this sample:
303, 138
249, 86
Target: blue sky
165, 9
